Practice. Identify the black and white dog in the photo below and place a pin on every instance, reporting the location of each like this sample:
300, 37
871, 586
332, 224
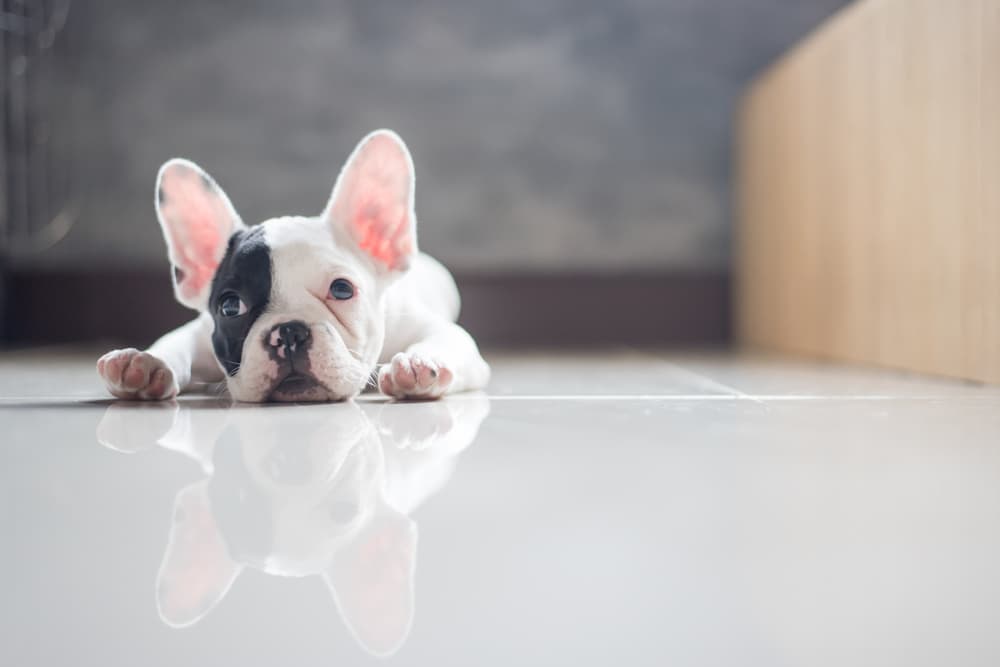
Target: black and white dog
304, 309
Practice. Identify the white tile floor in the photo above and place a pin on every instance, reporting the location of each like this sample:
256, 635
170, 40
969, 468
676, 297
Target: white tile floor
631, 509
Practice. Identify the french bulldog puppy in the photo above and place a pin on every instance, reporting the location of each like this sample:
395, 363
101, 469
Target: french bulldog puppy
324, 491
304, 309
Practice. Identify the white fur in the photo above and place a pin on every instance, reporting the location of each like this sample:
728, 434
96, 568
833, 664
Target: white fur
402, 315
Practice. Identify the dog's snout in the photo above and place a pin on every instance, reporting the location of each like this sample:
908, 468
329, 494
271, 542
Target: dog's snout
288, 336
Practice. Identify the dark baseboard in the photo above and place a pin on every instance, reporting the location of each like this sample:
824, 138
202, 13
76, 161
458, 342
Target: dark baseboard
554, 310
540, 310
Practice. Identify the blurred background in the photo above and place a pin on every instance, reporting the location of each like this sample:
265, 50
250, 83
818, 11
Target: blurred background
573, 158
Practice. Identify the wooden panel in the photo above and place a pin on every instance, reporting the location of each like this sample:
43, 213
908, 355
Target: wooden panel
869, 191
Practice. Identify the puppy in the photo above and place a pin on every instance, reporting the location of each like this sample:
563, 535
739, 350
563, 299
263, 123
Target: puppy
304, 309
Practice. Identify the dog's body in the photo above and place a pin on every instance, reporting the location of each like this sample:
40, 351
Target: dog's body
299, 309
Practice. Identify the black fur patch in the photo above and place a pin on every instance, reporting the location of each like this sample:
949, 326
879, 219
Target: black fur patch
245, 271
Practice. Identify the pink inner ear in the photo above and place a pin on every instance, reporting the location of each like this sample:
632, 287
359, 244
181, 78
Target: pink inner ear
198, 221
374, 200
198, 255
383, 230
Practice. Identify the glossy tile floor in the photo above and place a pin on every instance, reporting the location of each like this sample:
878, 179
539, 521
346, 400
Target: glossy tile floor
622, 509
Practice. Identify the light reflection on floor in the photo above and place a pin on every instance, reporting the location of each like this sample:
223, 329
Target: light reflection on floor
590, 509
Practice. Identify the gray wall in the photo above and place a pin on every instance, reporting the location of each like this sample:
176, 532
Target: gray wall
547, 135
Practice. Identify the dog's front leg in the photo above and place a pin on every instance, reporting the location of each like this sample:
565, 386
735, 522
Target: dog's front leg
166, 368
443, 361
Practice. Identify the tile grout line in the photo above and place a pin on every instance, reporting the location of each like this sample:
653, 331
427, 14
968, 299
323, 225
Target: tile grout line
760, 399
39, 401
708, 383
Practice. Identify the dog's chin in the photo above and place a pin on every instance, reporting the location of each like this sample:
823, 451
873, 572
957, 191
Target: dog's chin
297, 386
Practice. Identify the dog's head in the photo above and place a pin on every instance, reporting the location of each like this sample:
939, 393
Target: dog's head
297, 302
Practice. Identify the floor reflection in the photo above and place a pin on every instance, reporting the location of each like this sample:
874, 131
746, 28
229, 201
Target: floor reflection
295, 491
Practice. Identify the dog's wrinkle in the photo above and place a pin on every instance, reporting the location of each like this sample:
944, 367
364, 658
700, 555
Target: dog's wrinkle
347, 328
334, 334
355, 354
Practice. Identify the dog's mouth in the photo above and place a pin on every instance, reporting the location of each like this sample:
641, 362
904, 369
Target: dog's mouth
295, 384
299, 386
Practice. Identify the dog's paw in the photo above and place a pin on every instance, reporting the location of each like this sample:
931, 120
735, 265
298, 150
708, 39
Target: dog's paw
414, 376
136, 375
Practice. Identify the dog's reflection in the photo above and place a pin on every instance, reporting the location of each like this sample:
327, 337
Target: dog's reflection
298, 491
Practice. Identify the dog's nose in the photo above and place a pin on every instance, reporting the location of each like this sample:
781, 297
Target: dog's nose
288, 336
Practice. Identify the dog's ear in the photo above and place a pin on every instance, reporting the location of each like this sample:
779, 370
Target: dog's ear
372, 582
372, 202
196, 571
197, 220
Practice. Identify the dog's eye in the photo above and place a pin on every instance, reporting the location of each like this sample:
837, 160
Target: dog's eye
341, 289
232, 306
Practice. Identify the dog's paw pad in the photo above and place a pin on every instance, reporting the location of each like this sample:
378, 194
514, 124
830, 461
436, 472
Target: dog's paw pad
415, 376
132, 374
